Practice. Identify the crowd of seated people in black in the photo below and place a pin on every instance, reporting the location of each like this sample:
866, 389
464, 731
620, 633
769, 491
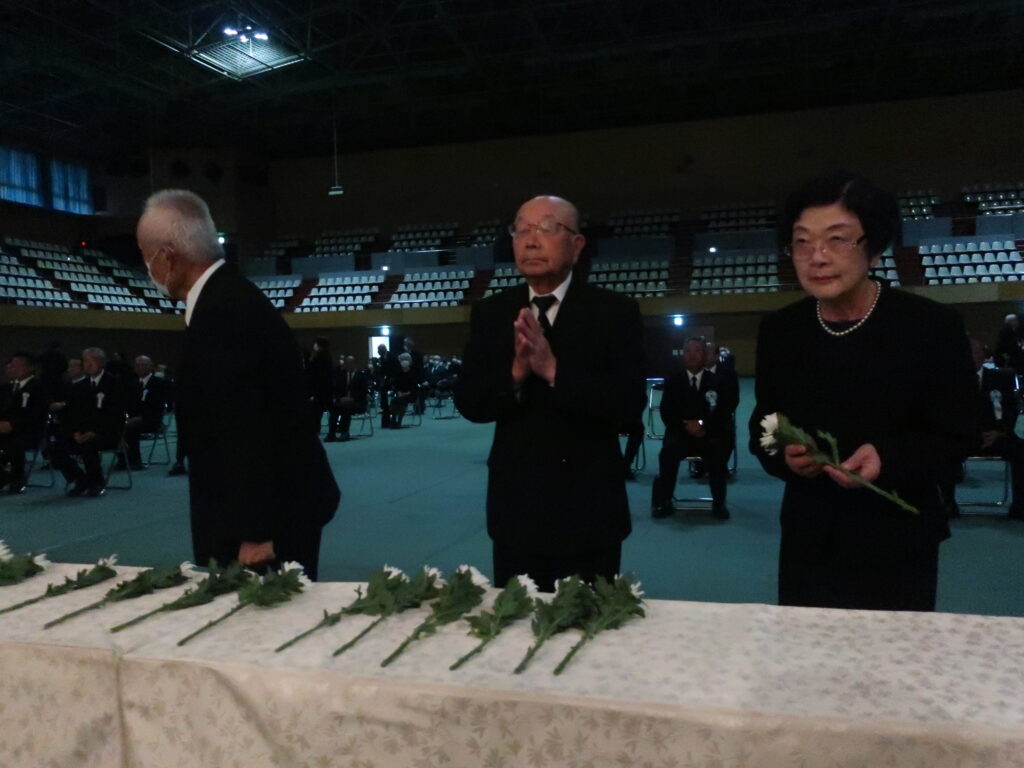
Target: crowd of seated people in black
67, 411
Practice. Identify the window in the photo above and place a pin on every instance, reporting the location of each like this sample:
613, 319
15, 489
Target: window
19, 177
70, 184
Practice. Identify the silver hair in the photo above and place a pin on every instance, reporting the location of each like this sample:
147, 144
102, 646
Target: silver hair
95, 352
186, 225
405, 356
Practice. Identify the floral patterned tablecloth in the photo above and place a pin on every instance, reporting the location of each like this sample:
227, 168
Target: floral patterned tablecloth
693, 684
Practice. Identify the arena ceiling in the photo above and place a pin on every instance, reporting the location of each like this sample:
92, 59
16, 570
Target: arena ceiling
101, 79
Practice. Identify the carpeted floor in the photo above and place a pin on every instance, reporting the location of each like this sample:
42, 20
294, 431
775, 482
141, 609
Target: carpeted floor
416, 496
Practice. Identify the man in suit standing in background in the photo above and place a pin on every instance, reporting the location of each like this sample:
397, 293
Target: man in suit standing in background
697, 408
261, 489
558, 366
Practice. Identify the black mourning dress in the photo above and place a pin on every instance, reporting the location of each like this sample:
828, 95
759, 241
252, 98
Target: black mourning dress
903, 382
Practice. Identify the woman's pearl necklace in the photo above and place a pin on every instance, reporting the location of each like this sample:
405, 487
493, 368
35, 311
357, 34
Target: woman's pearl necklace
855, 326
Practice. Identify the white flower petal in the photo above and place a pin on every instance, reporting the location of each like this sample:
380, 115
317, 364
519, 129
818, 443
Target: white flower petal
393, 572
108, 562
188, 569
475, 576
5, 552
528, 583
41, 560
770, 423
635, 588
436, 573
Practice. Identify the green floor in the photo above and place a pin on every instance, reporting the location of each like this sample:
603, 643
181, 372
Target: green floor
416, 496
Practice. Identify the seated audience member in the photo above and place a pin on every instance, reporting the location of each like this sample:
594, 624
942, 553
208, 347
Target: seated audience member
320, 379
405, 386
147, 402
997, 409
384, 367
1010, 344
91, 421
350, 395
697, 408
22, 420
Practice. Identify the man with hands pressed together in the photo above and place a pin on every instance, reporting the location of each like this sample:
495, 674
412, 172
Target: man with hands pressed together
537, 365
260, 486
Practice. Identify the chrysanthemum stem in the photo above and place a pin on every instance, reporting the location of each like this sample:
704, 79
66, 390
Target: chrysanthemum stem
137, 619
72, 615
471, 654
358, 637
213, 623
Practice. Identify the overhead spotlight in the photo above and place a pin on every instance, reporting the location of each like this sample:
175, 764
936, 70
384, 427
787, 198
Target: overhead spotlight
244, 38
385, 268
385, 330
261, 36
678, 321
712, 249
230, 31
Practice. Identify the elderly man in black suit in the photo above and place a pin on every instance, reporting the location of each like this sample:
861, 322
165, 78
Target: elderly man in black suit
147, 402
261, 489
349, 396
22, 420
91, 421
558, 366
996, 409
697, 408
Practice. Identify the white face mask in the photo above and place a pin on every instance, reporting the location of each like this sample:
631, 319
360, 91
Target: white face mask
161, 287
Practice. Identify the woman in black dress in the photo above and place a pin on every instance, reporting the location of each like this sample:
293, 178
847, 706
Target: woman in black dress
888, 374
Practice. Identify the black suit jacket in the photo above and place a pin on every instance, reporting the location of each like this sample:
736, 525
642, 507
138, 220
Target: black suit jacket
99, 409
556, 483
256, 468
358, 388
713, 404
148, 402
26, 410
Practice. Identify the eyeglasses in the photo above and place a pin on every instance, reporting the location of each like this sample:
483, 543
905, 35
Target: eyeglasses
545, 227
802, 250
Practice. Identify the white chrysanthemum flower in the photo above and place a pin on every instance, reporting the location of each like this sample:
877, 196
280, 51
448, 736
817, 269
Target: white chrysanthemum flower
188, 569
769, 425
475, 576
429, 570
393, 572
5, 552
291, 565
528, 583
107, 562
41, 560
635, 588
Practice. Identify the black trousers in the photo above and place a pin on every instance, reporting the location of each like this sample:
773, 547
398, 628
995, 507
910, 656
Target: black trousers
674, 449
12, 453
65, 448
341, 416
634, 439
545, 569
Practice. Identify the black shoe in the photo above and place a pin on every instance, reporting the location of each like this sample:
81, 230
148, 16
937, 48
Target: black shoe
95, 491
664, 510
138, 466
5, 478
78, 488
345, 437
720, 512
330, 439
18, 485
177, 469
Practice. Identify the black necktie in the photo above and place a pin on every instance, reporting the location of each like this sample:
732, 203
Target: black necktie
544, 303
693, 383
